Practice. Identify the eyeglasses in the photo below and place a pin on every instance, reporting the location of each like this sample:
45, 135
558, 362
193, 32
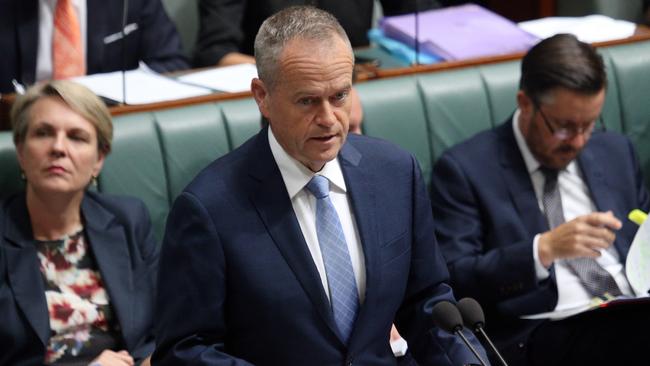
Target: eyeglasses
565, 132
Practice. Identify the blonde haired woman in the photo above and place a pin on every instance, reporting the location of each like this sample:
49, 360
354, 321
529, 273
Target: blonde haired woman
77, 268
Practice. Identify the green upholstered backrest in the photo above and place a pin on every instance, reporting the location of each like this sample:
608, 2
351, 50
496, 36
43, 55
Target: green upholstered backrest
501, 81
611, 113
156, 154
631, 66
135, 166
185, 15
393, 111
456, 105
191, 138
242, 119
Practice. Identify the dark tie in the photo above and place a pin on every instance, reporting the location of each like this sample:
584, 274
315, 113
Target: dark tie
595, 279
338, 266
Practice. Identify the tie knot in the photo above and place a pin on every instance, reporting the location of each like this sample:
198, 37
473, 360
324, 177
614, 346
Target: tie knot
319, 186
550, 174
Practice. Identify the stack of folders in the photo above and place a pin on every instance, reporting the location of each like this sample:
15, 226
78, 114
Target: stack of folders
459, 32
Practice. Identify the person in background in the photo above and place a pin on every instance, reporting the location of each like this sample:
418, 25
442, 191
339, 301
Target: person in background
227, 28
302, 246
58, 39
531, 216
78, 268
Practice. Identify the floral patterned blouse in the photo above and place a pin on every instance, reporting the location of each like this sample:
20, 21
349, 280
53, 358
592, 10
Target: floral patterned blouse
81, 319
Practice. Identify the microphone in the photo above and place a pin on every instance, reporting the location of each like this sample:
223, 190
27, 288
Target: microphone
474, 319
447, 317
417, 32
125, 13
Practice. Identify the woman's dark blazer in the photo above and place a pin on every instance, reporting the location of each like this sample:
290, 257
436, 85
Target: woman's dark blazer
119, 233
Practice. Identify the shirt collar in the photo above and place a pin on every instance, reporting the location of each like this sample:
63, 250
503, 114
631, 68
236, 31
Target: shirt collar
531, 163
296, 175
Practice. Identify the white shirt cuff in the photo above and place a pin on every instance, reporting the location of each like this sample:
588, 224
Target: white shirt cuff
541, 271
399, 347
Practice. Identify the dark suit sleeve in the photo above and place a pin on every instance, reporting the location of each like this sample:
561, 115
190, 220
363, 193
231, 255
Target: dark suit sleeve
485, 273
160, 45
191, 312
220, 30
428, 279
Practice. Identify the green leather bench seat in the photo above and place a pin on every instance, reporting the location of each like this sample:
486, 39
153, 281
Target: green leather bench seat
631, 70
156, 154
395, 108
136, 166
189, 147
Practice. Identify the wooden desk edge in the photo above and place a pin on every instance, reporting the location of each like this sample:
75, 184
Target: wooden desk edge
642, 34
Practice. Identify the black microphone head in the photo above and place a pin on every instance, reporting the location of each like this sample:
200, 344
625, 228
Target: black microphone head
447, 317
472, 313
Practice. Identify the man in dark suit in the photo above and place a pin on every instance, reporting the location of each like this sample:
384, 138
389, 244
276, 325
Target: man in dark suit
527, 212
228, 28
303, 245
151, 37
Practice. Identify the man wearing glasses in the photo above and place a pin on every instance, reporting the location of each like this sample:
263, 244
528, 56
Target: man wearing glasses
531, 216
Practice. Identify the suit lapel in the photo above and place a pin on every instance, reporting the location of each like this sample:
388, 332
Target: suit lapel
108, 243
595, 179
363, 200
27, 33
600, 191
24, 269
270, 198
517, 180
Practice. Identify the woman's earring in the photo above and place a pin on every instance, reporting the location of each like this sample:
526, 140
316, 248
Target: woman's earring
93, 181
22, 175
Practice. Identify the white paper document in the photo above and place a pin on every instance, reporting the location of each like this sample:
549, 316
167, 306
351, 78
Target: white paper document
230, 79
637, 264
590, 29
637, 271
143, 86
594, 306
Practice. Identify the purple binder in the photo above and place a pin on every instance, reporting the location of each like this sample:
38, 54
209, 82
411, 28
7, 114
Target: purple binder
460, 32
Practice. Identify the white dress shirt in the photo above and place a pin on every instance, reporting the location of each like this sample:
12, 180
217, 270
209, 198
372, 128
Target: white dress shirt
576, 201
296, 176
46, 32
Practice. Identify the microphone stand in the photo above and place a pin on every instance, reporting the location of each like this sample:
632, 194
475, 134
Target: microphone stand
459, 332
125, 13
479, 330
417, 32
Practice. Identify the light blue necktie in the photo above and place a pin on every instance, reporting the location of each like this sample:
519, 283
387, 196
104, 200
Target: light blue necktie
338, 266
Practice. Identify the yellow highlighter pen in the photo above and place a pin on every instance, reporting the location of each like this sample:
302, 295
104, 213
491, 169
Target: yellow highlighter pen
637, 216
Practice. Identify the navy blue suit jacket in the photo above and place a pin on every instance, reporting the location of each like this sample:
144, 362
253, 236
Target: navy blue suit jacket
155, 41
239, 286
119, 233
487, 216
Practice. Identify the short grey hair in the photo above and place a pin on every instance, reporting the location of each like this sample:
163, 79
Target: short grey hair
295, 22
77, 97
